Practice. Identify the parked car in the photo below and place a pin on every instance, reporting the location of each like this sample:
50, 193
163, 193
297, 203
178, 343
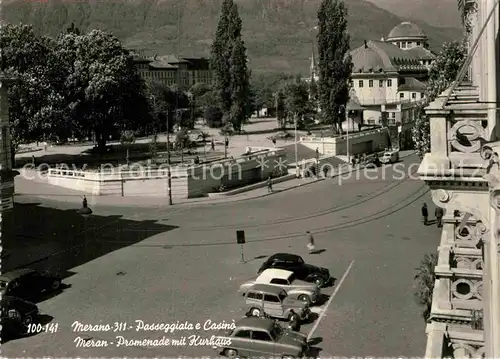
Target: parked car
372, 162
28, 283
281, 278
275, 302
262, 337
390, 157
295, 264
16, 315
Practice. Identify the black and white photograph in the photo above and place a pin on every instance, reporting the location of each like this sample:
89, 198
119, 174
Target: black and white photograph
246, 179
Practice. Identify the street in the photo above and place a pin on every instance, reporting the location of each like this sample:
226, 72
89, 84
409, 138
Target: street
170, 265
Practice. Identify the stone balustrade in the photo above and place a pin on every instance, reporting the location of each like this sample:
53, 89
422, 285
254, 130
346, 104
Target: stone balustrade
192, 180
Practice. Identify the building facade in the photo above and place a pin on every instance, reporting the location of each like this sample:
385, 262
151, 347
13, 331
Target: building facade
174, 71
463, 173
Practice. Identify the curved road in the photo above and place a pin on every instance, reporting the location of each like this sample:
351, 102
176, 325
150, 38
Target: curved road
368, 229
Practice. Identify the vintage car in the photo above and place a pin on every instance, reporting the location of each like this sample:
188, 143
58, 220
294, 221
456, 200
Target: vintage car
262, 337
390, 157
16, 315
275, 302
28, 283
295, 264
302, 290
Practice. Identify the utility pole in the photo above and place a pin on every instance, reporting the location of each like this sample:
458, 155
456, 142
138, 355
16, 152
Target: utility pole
348, 144
169, 174
296, 148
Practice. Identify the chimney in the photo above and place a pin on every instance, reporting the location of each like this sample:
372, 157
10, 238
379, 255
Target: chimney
366, 44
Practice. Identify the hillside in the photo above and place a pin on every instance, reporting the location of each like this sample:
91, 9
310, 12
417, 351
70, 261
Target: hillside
277, 32
444, 12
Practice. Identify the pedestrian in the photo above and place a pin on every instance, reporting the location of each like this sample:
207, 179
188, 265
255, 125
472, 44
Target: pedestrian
274, 141
425, 213
353, 161
325, 171
226, 143
33, 160
212, 145
84, 202
45, 146
439, 216
269, 185
310, 242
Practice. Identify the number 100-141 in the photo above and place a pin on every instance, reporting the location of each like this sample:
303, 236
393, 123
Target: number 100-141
35, 328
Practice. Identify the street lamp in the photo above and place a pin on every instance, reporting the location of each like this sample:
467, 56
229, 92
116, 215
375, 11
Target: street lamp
296, 148
169, 174
346, 111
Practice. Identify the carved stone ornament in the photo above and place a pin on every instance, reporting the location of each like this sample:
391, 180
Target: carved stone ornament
466, 289
462, 350
442, 195
470, 130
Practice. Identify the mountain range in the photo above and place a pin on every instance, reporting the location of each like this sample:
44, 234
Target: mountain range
279, 34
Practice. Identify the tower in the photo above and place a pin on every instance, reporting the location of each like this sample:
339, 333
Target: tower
312, 68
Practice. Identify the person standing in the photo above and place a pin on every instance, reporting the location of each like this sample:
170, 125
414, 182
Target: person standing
439, 216
310, 242
212, 145
269, 185
274, 141
425, 213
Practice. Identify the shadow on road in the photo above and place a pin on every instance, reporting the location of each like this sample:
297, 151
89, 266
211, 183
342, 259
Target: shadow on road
59, 240
318, 251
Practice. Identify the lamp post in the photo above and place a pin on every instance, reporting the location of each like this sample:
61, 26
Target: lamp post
296, 148
169, 173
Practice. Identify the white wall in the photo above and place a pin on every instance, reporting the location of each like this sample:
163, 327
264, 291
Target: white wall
376, 94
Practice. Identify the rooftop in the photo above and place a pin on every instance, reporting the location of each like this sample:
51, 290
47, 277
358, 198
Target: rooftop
407, 30
268, 274
256, 322
411, 84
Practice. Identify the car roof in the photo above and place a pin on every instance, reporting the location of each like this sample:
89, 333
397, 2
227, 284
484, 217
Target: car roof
15, 274
252, 323
268, 274
284, 256
266, 288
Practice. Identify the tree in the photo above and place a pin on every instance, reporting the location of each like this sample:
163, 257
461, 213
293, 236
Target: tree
37, 108
105, 94
229, 65
443, 72
296, 100
335, 63
240, 88
203, 136
213, 116
424, 279
73, 29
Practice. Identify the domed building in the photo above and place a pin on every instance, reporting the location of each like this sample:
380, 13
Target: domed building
389, 77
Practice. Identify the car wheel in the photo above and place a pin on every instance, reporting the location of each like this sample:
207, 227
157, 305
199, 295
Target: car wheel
56, 284
231, 353
292, 317
255, 312
304, 298
319, 282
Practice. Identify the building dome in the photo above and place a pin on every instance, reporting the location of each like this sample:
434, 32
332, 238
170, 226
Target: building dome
406, 30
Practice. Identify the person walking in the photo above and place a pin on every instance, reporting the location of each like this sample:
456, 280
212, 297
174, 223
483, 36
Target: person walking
269, 185
212, 145
274, 141
439, 216
425, 213
310, 242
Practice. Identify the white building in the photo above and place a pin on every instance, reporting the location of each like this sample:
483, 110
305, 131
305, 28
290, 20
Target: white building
389, 75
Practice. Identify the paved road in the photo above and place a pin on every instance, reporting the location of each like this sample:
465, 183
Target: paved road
369, 230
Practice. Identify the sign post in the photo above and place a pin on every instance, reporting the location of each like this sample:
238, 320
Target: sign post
240, 239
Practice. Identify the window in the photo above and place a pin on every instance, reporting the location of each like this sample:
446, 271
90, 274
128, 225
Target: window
360, 83
403, 45
398, 44
243, 334
300, 260
389, 83
370, 83
380, 83
401, 95
260, 335
271, 298
253, 295
421, 95
371, 121
391, 121
408, 44
418, 43
393, 114
279, 281
351, 83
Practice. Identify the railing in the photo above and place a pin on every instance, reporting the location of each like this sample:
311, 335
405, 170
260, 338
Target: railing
385, 101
